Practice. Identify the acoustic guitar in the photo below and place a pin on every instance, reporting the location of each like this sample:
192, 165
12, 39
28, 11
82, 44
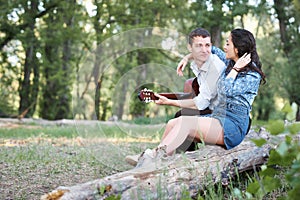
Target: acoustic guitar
147, 95
191, 90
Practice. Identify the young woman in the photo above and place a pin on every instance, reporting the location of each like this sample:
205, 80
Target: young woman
237, 88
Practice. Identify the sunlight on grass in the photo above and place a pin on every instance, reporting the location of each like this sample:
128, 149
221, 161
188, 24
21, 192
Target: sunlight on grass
78, 135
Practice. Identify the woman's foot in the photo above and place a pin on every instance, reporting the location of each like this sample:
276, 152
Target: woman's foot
152, 156
147, 157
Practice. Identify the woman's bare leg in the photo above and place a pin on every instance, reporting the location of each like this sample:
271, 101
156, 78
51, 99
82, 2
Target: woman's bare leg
171, 123
200, 128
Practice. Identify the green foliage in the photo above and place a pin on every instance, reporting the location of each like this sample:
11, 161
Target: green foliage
42, 48
290, 111
294, 128
6, 109
270, 183
293, 177
283, 166
259, 142
287, 108
105, 189
253, 187
275, 126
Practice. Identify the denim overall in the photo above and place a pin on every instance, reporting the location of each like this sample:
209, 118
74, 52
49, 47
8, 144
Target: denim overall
235, 120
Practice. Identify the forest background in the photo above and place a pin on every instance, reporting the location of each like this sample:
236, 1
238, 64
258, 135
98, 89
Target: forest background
86, 59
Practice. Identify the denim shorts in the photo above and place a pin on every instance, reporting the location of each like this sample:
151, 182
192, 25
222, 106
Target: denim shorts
235, 120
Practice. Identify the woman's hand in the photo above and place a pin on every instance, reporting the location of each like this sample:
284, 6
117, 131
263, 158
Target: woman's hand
242, 62
181, 65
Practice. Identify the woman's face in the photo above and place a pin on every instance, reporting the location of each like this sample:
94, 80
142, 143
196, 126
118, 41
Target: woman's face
230, 50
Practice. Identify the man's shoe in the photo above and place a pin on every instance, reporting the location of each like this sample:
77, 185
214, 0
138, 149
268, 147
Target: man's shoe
132, 160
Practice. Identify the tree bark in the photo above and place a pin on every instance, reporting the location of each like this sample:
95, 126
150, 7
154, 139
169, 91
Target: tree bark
298, 114
282, 18
28, 90
64, 99
169, 179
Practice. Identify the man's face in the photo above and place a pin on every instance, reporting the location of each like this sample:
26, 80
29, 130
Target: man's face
200, 49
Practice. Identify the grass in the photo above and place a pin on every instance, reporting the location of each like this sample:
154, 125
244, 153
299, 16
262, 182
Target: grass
37, 159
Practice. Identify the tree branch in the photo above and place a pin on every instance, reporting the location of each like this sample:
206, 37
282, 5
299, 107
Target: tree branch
10, 35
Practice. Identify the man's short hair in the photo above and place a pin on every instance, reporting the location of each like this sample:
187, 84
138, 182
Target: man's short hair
198, 32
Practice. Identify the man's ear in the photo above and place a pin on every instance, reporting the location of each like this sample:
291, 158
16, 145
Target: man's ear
189, 47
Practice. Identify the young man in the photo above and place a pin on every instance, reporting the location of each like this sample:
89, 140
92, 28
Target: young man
207, 67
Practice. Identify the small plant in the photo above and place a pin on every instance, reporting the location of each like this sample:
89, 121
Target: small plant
283, 167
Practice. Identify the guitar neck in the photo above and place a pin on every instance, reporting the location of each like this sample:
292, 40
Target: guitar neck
148, 95
178, 95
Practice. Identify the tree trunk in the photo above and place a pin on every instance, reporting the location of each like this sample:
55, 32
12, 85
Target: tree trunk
28, 91
216, 28
282, 18
97, 99
97, 71
64, 98
169, 179
290, 45
216, 35
298, 114
122, 99
52, 64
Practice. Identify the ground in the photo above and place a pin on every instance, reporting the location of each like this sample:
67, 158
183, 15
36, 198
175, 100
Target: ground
32, 167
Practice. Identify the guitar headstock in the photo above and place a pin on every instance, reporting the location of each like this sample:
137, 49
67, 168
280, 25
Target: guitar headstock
147, 95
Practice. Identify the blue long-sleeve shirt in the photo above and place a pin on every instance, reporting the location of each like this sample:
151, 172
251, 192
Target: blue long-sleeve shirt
241, 90
221, 54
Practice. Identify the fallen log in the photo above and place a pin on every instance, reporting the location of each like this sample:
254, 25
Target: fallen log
170, 179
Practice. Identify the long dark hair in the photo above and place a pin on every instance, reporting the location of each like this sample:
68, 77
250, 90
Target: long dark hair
244, 41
